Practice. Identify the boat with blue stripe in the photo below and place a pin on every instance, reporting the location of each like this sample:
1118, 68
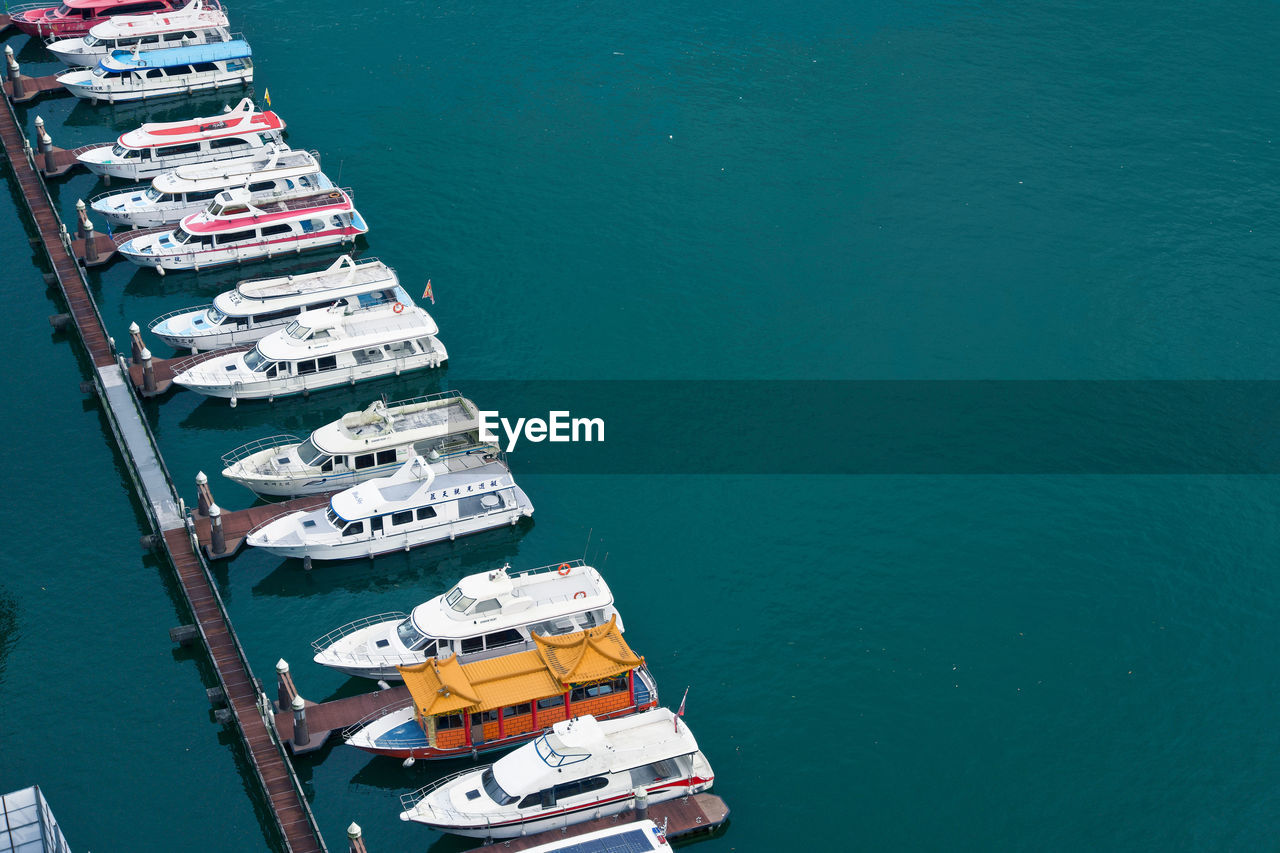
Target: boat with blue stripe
132, 75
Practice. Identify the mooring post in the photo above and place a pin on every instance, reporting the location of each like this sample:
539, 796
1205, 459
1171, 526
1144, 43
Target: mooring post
217, 539
82, 215
284, 685
642, 804
148, 367
136, 347
15, 73
353, 836
46, 144
91, 248
301, 737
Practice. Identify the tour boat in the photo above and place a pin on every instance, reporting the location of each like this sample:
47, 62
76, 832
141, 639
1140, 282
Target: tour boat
362, 445
132, 75
484, 615
581, 769
637, 836
258, 307
172, 196
234, 229
156, 147
195, 23
320, 349
414, 506
77, 17
459, 709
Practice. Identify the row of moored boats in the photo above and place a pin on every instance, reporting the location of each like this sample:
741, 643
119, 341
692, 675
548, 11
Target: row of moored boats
532, 661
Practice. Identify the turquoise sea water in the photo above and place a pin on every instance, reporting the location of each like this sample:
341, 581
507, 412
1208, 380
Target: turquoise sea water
926, 190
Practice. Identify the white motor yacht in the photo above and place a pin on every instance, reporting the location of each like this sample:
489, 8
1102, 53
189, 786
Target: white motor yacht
172, 196
362, 445
412, 507
156, 147
483, 616
258, 307
579, 770
320, 349
195, 23
135, 75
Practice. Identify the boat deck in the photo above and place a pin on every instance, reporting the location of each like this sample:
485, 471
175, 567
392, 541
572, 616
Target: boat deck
683, 817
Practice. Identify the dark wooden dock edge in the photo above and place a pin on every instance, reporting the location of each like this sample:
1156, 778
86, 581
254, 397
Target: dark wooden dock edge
155, 488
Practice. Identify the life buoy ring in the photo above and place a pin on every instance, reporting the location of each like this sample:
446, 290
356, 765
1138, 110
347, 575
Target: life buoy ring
564, 569
398, 307
579, 594
335, 194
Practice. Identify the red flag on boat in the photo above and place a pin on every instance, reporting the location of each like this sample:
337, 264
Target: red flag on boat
427, 294
680, 712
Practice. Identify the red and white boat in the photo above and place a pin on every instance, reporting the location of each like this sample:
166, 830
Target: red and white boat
234, 228
195, 23
157, 147
76, 17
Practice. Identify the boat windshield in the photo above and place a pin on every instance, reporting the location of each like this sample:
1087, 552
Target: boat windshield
494, 790
64, 10
153, 194
182, 236
410, 636
91, 40
554, 758
333, 518
215, 316
256, 361
309, 453
458, 601
297, 330
100, 72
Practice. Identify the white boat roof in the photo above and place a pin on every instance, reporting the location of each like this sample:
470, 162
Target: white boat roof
523, 598
394, 424
415, 484
584, 746
333, 283
619, 838
193, 16
243, 119
348, 329
267, 165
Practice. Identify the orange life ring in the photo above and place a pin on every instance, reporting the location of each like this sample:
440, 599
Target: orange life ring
398, 307
564, 569
579, 594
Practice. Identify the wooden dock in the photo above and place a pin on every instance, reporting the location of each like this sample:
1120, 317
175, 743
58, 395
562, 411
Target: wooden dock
325, 718
685, 816
31, 88
236, 525
248, 705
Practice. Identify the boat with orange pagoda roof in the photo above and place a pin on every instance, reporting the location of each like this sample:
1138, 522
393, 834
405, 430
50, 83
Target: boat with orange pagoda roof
462, 709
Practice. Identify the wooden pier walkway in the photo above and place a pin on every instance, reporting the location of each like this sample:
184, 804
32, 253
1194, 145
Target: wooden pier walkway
324, 718
684, 816
236, 525
249, 705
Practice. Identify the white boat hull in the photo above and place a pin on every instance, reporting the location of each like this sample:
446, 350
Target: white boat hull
412, 539
193, 260
83, 87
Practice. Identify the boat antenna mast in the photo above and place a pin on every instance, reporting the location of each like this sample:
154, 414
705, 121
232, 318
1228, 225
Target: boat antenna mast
588, 545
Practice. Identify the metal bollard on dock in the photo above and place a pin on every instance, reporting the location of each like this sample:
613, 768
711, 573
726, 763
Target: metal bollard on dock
136, 347
15, 73
82, 216
91, 250
204, 497
642, 804
285, 691
217, 539
301, 737
45, 141
148, 367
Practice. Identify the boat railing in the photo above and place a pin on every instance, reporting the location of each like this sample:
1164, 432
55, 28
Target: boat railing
244, 451
183, 365
411, 799
322, 643
377, 714
178, 312
133, 233
323, 198
15, 11
542, 570
425, 398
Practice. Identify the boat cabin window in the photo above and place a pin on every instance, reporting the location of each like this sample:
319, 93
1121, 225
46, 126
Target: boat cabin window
227, 208
64, 10
457, 601
498, 639
225, 142
153, 74
276, 230
404, 517
425, 512
256, 361
104, 74
604, 688
214, 316
262, 186
139, 8
273, 316
448, 721
487, 605
201, 195
410, 636
364, 460
93, 41
233, 237
87, 14
204, 67
375, 524
551, 702
385, 457
327, 465
515, 710
494, 790
154, 195
355, 528
309, 453
471, 645
172, 150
